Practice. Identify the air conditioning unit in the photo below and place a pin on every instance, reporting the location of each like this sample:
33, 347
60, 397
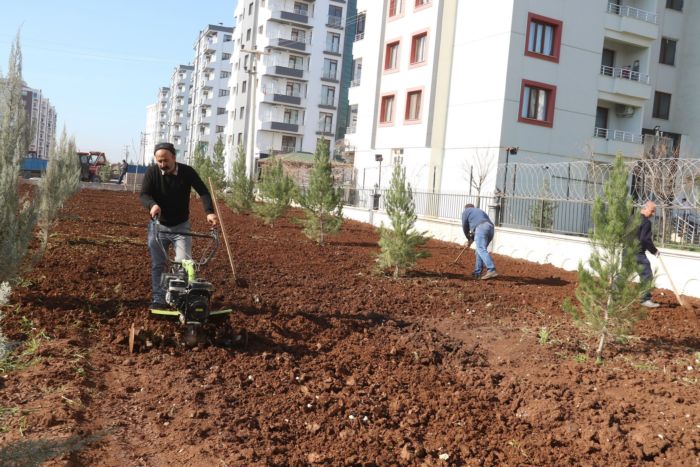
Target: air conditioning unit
624, 111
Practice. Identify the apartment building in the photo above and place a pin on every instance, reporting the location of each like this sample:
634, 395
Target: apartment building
287, 75
150, 137
41, 117
162, 121
453, 84
180, 104
209, 89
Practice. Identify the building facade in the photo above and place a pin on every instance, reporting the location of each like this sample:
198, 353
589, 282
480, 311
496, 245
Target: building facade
41, 117
286, 75
180, 105
454, 84
209, 90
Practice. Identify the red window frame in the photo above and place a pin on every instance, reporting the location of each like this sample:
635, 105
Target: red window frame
395, 8
419, 5
414, 39
385, 119
407, 117
549, 111
387, 55
556, 38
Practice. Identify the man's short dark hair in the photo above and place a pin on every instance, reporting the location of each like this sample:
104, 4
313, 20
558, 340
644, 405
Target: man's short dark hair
167, 146
468, 205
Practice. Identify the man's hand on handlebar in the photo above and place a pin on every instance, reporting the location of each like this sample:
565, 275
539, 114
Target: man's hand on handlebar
155, 211
212, 219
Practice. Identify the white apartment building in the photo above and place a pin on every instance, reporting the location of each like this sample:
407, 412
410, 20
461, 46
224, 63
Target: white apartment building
452, 84
41, 116
180, 102
150, 135
209, 89
286, 80
162, 122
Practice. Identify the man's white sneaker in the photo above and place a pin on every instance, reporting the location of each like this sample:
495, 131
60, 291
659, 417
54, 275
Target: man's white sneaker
489, 275
650, 304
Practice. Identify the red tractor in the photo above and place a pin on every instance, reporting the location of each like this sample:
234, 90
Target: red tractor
90, 163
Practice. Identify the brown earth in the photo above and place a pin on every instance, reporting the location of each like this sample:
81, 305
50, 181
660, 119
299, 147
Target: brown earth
341, 366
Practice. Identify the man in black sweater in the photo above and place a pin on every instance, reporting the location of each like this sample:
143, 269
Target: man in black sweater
646, 244
166, 194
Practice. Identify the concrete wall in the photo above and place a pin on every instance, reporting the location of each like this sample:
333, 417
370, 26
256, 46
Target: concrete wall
558, 250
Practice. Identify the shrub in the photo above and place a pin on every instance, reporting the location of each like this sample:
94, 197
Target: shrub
276, 190
240, 197
609, 300
321, 201
399, 244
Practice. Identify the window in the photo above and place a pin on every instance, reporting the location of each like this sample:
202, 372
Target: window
674, 5
543, 37
219, 128
395, 7
667, 54
413, 103
327, 95
330, 68
418, 43
420, 3
391, 56
301, 8
291, 116
333, 42
240, 138
225, 56
225, 74
296, 62
298, 35
244, 86
227, 37
245, 62
335, 16
260, 29
241, 112
293, 89
247, 35
220, 110
662, 105
325, 123
223, 92
386, 111
356, 72
250, 8
537, 103
360, 26
289, 143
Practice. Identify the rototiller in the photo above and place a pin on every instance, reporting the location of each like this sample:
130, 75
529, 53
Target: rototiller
188, 295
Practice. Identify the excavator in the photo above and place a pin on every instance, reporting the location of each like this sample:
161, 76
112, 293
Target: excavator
90, 163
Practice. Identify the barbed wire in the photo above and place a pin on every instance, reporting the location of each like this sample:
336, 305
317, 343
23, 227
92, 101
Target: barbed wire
664, 181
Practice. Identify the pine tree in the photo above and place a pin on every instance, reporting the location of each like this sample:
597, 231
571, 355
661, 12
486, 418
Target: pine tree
609, 300
399, 244
18, 214
276, 190
60, 182
218, 166
240, 198
321, 201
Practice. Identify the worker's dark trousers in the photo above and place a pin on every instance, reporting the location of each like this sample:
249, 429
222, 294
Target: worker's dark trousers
159, 260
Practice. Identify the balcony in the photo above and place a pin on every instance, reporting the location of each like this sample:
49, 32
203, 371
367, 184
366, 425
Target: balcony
335, 22
296, 18
631, 25
294, 44
624, 82
354, 83
284, 127
612, 142
278, 70
279, 97
359, 36
329, 76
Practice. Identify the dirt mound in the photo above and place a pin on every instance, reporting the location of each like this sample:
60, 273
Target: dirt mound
334, 364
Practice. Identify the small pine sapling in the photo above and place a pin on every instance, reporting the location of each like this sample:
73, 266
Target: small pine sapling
322, 201
276, 190
400, 243
609, 299
542, 212
217, 171
240, 196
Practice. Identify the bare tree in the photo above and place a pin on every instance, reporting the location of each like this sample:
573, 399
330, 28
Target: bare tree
477, 169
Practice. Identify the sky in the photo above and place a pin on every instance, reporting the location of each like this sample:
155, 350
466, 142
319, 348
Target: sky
101, 62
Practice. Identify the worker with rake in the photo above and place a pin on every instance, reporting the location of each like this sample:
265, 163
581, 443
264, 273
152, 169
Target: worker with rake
166, 194
477, 227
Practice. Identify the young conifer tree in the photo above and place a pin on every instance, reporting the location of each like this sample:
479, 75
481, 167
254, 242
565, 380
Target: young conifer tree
240, 198
60, 182
400, 243
609, 299
217, 167
321, 201
276, 190
18, 214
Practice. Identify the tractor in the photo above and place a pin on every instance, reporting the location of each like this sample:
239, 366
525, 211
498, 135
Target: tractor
90, 163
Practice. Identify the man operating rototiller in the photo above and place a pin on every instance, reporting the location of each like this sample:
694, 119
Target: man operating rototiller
166, 194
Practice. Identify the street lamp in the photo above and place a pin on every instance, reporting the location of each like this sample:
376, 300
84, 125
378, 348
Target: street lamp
509, 150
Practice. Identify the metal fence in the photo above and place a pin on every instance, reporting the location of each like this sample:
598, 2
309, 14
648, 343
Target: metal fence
674, 225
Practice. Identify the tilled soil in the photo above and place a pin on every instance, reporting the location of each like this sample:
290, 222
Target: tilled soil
335, 364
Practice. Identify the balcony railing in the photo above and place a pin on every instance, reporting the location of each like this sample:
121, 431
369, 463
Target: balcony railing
336, 21
618, 135
329, 75
632, 12
355, 82
624, 73
352, 129
359, 36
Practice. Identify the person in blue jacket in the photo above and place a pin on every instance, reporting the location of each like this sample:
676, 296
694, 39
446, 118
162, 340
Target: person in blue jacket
477, 227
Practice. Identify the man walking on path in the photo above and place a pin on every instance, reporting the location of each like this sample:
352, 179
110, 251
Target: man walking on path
166, 194
123, 168
646, 244
477, 227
